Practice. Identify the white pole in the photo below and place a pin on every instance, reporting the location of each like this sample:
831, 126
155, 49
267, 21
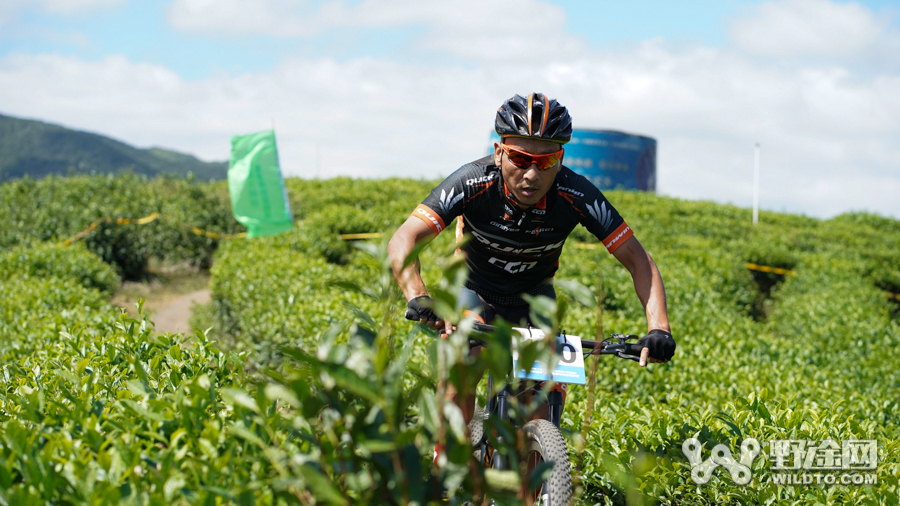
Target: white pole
318, 160
756, 186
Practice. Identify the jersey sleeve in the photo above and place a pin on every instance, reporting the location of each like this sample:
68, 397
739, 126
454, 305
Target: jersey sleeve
602, 219
444, 203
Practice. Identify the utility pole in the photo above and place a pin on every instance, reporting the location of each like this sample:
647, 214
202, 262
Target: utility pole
756, 186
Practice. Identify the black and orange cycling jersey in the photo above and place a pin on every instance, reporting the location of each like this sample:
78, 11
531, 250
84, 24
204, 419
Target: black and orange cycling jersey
514, 250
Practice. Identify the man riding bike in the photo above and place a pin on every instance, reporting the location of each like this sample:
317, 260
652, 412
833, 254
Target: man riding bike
520, 204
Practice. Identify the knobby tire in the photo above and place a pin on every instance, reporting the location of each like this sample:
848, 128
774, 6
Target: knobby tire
544, 443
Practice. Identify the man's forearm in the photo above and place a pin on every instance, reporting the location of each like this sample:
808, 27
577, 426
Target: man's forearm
650, 290
648, 283
408, 278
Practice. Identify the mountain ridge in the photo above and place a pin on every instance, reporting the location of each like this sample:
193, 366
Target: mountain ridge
38, 149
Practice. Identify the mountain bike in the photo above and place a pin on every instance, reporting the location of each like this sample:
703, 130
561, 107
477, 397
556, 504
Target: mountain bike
544, 442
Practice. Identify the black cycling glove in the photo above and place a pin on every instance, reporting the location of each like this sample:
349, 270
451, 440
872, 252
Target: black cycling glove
417, 309
660, 342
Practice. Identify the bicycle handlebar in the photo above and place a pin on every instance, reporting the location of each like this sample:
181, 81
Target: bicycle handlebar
614, 345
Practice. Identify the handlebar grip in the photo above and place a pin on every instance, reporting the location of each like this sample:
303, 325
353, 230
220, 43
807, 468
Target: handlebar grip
482, 327
633, 349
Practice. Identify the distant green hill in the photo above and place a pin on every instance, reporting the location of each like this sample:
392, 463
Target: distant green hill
39, 149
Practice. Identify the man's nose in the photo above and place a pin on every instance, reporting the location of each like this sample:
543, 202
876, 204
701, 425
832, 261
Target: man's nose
531, 173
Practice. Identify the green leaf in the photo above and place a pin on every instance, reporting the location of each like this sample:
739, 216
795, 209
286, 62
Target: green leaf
727, 420
577, 291
138, 388
237, 397
321, 486
414, 254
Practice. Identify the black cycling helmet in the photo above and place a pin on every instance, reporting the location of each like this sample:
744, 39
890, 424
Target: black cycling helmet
534, 117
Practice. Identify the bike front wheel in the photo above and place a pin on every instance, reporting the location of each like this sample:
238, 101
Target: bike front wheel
544, 443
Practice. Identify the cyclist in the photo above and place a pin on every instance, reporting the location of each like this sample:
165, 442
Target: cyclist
520, 204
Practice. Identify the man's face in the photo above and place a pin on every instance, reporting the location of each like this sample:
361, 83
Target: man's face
528, 185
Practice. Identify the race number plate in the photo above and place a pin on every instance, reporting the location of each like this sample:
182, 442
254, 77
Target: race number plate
569, 369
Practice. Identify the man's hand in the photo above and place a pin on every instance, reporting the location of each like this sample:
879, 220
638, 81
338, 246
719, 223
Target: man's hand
659, 347
419, 309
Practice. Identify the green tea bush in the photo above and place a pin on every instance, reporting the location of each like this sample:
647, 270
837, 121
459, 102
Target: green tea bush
73, 262
95, 408
106, 413
57, 208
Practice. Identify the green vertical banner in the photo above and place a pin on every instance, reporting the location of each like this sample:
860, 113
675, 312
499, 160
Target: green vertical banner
258, 195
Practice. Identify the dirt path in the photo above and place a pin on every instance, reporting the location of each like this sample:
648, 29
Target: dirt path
169, 298
174, 316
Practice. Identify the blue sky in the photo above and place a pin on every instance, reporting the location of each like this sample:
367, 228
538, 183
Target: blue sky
140, 31
360, 81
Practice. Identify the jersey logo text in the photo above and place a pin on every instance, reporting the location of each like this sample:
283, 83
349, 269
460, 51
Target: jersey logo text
518, 251
573, 192
504, 227
427, 215
615, 239
512, 267
476, 180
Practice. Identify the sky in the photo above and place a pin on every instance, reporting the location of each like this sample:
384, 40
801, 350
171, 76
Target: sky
409, 88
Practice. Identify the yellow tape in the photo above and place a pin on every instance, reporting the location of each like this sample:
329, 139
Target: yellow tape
147, 219
213, 235
143, 221
140, 221
81, 234
368, 235
588, 245
773, 270
118, 221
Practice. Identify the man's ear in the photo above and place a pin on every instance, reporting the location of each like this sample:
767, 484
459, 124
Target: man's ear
498, 154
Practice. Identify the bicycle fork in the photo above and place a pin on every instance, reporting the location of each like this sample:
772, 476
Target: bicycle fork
554, 402
502, 412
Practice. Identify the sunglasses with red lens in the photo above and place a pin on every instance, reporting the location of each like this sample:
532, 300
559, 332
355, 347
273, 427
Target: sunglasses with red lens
523, 160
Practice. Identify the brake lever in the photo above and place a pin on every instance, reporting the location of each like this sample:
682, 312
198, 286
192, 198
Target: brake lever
616, 344
618, 350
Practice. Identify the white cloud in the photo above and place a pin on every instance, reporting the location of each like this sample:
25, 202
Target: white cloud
467, 28
11, 8
70, 6
811, 28
828, 132
293, 18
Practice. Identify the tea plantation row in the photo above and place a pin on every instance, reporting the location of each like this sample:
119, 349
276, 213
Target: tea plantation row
317, 392
57, 208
